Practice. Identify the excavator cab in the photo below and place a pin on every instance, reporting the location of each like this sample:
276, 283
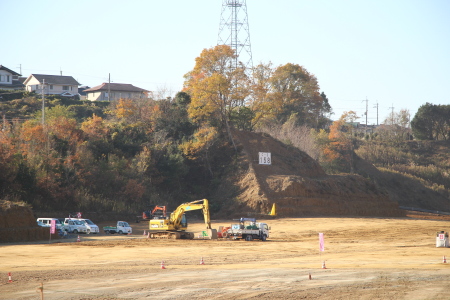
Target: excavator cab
146, 215
184, 222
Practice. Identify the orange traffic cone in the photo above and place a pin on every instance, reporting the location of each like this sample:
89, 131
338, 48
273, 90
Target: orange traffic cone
323, 265
78, 239
444, 260
9, 277
201, 261
162, 265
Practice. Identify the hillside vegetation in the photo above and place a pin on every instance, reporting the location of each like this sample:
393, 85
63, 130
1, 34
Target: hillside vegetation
123, 158
415, 173
126, 155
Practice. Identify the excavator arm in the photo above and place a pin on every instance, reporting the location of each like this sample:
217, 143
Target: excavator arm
161, 208
176, 216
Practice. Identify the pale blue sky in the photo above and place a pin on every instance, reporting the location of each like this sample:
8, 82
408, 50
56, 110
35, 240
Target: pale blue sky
394, 52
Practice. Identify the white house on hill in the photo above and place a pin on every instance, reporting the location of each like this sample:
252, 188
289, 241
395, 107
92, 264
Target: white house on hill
9, 80
53, 85
115, 91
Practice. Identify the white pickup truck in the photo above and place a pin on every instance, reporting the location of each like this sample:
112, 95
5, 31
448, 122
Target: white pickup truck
248, 229
122, 227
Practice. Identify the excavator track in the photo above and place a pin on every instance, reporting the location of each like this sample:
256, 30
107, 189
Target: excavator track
171, 235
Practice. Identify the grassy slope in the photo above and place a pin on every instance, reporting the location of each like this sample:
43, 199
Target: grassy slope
421, 181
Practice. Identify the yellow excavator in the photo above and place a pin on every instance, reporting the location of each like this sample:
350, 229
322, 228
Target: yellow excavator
175, 225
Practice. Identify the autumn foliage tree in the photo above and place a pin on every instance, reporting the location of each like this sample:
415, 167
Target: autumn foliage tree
215, 88
338, 150
285, 91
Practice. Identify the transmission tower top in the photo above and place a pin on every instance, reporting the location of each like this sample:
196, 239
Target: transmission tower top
234, 31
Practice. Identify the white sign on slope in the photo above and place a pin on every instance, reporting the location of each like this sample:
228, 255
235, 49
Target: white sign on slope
265, 158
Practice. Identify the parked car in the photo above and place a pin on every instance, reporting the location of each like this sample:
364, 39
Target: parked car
60, 231
47, 222
74, 226
91, 227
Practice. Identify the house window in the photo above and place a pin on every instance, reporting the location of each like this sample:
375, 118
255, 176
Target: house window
65, 88
106, 96
7, 78
51, 86
1, 78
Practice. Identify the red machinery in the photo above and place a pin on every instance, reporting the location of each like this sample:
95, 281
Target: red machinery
158, 212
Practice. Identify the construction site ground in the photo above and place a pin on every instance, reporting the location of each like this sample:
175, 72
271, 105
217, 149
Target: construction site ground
364, 258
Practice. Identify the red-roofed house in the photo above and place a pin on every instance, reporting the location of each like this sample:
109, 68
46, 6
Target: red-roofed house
115, 91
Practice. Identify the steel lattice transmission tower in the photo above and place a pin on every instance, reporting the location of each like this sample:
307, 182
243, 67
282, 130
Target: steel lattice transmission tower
234, 31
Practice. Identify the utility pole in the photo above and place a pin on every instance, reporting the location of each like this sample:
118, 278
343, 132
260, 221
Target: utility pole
20, 67
109, 87
376, 106
367, 102
43, 102
392, 114
4, 121
60, 71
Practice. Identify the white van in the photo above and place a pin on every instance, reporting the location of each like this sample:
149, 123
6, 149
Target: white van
47, 222
91, 227
74, 226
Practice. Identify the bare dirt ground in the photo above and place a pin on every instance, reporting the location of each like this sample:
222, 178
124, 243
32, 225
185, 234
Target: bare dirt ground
365, 258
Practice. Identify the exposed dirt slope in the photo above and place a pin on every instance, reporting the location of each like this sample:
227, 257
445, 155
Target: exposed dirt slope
17, 224
298, 185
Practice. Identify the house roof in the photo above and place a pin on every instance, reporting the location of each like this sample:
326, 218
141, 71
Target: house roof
9, 70
82, 89
53, 79
115, 87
